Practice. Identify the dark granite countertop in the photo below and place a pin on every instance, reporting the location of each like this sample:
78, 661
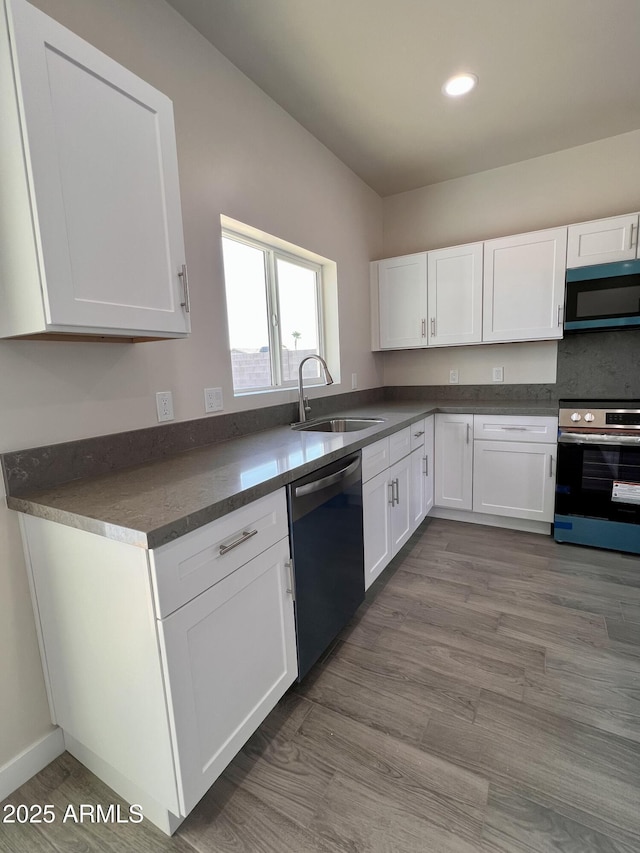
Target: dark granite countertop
151, 504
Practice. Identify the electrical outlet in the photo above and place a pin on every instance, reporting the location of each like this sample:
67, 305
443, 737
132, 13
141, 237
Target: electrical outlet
453, 376
354, 381
213, 399
164, 405
498, 374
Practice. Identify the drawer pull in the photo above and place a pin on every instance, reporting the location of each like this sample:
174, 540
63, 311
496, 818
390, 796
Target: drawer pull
418, 434
514, 429
246, 534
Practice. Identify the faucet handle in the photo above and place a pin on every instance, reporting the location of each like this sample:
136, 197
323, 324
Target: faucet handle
307, 407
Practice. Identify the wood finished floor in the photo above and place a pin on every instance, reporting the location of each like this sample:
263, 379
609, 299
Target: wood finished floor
485, 699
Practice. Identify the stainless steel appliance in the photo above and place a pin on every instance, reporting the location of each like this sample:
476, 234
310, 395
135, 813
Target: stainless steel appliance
598, 474
327, 546
603, 296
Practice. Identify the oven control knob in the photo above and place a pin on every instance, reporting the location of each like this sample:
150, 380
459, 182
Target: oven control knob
576, 416
589, 417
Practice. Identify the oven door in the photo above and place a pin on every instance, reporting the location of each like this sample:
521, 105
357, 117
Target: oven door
598, 491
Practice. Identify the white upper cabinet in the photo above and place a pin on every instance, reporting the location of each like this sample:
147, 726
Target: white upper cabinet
91, 235
455, 295
402, 294
524, 286
603, 241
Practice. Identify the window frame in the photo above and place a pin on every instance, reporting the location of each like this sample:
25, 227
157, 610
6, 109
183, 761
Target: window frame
272, 254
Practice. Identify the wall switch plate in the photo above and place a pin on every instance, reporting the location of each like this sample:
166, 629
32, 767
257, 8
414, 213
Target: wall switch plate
213, 399
354, 381
164, 405
453, 376
498, 374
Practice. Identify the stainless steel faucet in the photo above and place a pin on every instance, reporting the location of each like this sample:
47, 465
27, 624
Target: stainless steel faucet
303, 402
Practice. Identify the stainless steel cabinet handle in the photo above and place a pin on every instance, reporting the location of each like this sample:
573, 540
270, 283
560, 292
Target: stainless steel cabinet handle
323, 482
632, 242
246, 534
551, 465
392, 499
424, 328
559, 315
425, 459
418, 434
291, 587
468, 431
433, 327
182, 273
397, 489
514, 429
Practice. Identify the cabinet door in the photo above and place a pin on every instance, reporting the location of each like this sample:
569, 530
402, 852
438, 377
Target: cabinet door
229, 655
103, 180
455, 295
514, 479
401, 529
417, 496
402, 288
603, 241
429, 457
454, 461
376, 498
524, 286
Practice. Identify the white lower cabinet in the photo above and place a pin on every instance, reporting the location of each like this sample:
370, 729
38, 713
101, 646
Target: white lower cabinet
229, 655
514, 479
377, 529
400, 507
454, 461
496, 465
422, 471
156, 694
395, 499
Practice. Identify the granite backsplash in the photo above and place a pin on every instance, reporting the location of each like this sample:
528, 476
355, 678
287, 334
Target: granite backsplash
590, 365
599, 364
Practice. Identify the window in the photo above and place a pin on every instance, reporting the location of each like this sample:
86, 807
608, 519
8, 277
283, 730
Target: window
274, 312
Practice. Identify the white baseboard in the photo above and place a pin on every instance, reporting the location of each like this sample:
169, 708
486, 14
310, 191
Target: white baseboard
30, 761
524, 524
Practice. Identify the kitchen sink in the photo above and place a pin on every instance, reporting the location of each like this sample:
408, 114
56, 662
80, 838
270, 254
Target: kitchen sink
339, 424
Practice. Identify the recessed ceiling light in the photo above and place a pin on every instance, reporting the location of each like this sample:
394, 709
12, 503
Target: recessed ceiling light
460, 84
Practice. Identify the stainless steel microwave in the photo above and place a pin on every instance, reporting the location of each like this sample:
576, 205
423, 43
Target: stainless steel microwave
603, 296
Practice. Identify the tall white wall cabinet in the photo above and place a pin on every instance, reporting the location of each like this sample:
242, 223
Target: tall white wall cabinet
91, 238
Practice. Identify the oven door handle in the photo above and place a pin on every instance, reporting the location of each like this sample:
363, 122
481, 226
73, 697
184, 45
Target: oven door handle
597, 438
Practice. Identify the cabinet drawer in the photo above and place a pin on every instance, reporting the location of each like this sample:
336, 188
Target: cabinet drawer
417, 434
183, 569
375, 458
515, 428
399, 445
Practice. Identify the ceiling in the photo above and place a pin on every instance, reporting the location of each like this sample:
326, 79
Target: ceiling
365, 76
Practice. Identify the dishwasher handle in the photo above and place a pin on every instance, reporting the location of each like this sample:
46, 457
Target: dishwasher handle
325, 482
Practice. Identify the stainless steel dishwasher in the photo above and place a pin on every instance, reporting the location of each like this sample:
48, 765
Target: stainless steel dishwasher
325, 523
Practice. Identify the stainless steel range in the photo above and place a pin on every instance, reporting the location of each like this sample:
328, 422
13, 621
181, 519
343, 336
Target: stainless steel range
598, 474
